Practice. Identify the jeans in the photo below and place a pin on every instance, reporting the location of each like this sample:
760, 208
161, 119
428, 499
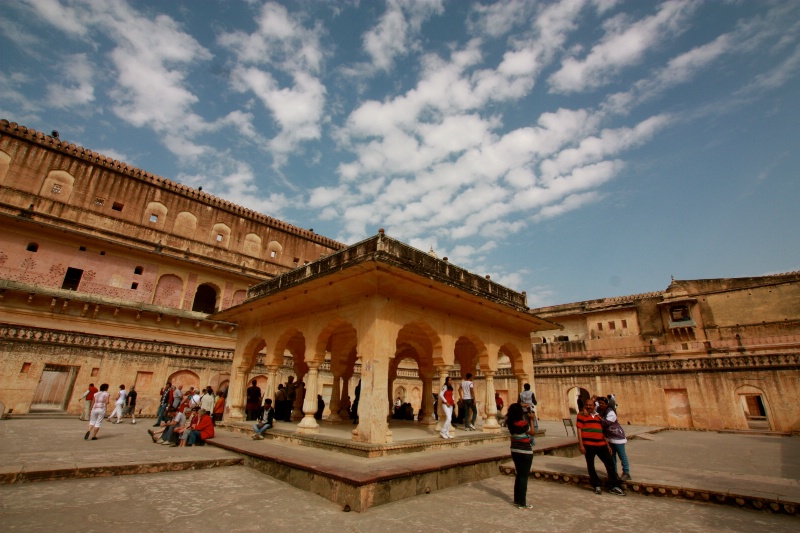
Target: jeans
605, 456
168, 433
619, 449
469, 405
522, 463
194, 437
162, 409
262, 430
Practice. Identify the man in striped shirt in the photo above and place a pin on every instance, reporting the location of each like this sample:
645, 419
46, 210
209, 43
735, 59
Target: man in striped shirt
592, 443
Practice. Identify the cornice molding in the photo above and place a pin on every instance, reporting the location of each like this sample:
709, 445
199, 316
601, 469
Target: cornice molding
673, 366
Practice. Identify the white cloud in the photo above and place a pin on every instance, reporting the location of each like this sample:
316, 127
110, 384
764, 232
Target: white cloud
69, 20
624, 44
77, 87
282, 47
397, 29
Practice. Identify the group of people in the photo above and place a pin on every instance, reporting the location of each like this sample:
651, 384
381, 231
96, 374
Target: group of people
285, 399
193, 399
447, 400
95, 405
186, 427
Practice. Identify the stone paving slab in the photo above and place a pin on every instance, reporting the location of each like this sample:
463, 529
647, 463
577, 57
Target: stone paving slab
748, 470
241, 500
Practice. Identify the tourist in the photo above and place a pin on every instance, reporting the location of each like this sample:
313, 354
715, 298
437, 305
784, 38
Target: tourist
118, 404
498, 403
219, 408
615, 435
280, 401
202, 430
612, 402
88, 398
354, 410
99, 406
194, 398
207, 400
177, 396
291, 396
320, 407
468, 393
446, 396
165, 402
253, 400
192, 418
167, 430
591, 443
527, 400
521, 452
130, 405
266, 421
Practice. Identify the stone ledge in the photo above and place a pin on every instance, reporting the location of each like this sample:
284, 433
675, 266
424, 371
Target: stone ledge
737, 499
10, 474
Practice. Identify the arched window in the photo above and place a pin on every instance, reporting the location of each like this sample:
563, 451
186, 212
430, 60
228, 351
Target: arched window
205, 299
33, 247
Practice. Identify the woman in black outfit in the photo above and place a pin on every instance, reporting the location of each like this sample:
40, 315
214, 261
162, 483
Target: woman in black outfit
521, 452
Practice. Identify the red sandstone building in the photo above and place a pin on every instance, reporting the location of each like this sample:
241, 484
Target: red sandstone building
110, 274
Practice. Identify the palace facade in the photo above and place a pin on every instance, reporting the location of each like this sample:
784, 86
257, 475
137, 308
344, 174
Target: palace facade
703, 354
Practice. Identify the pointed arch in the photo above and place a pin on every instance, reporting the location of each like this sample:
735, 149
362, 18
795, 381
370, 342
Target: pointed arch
169, 291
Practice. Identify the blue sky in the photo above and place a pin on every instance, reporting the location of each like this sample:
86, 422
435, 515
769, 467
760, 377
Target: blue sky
574, 150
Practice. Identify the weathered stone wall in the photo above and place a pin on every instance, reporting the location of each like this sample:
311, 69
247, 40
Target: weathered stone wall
713, 393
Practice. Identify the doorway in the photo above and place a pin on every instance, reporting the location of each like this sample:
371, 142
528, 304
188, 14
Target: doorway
755, 412
55, 388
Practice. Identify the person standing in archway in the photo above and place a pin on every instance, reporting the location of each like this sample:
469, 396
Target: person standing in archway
446, 397
253, 400
468, 393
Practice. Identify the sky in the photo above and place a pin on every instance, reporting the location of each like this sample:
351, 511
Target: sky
574, 150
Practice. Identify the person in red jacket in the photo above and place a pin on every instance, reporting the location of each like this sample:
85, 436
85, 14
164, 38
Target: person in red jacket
202, 430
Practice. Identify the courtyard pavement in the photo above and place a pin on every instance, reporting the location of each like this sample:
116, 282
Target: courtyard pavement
207, 490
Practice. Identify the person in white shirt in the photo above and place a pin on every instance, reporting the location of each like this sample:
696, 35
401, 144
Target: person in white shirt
119, 404
468, 394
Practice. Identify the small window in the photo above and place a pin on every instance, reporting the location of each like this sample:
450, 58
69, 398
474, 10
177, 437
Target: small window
32, 247
117, 206
138, 271
99, 202
296, 261
624, 324
134, 285
153, 218
26, 367
95, 371
599, 326
82, 248
102, 253
272, 253
56, 188
72, 279
612, 325
679, 313
219, 237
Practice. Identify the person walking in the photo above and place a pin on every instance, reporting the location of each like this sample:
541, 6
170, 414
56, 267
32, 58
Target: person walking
130, 404
88, 398
99, 406
165, 402
446, 397
519, 427
528, 400
468, 393
119, 404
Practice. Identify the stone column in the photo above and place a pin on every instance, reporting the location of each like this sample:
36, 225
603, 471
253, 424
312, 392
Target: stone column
272, 386
442, 371
335, 400
490, 425
373, 426
236, 394
427, 401
297, 407
309, 423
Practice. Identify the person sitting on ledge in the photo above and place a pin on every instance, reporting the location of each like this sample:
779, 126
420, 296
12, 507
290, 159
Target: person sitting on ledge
266, 422
202, 430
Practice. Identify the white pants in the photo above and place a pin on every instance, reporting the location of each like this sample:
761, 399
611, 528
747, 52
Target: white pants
448, 414
117, 411
97, 417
